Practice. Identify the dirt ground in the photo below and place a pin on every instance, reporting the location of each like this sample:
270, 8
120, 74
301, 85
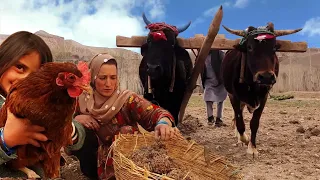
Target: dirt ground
288, 139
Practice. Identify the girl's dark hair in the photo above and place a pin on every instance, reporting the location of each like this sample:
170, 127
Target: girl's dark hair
20, 44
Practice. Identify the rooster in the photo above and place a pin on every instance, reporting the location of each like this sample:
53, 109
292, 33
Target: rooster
46, 98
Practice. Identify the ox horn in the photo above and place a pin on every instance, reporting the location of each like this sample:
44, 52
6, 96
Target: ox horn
285, 32
235, 32
145, 19
183, 28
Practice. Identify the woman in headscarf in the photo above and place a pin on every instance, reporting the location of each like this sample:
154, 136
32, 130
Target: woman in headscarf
109, 111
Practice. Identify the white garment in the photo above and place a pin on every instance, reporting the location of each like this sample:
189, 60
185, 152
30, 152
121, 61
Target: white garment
211, 93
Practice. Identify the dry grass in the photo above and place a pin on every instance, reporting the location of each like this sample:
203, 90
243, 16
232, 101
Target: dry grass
195, 160
296, 77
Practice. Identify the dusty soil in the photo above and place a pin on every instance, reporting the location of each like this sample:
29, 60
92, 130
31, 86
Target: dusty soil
288, 139
71, 170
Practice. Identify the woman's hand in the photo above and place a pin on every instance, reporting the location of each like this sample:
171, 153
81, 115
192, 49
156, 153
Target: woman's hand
165, 131
20, 132
88, 122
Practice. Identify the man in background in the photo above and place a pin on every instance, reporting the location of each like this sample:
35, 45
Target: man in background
214, 90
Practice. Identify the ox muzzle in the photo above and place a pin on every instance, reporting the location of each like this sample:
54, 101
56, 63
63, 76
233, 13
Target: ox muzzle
265, 78
154, 71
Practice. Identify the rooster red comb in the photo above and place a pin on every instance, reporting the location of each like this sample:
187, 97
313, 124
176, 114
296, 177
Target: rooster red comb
84, 69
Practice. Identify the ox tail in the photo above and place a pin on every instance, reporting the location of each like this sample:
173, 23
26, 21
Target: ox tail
173, 73
149, 85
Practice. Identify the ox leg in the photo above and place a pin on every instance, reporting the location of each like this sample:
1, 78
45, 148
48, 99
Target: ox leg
233, 126
254, 125
239, 123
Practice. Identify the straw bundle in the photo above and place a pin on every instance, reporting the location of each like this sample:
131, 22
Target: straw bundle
194, 158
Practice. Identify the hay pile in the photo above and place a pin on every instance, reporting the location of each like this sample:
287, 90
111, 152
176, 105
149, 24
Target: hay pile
155, 159
142, 156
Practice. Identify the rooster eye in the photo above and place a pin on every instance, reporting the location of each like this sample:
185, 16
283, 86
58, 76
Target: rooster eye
19, 116
72, 77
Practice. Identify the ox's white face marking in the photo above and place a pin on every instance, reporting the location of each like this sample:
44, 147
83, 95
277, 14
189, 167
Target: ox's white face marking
252, 150
252, 109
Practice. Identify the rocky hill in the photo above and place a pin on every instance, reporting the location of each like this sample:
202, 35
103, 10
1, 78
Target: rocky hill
63, 50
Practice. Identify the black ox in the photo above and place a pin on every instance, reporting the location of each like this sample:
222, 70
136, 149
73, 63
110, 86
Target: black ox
165, 67
256, 54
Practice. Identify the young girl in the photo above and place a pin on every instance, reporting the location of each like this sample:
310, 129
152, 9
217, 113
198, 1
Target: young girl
20, 54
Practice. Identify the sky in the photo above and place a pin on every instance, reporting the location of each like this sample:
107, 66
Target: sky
98, 22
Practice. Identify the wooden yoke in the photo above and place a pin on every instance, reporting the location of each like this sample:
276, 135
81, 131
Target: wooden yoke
220, 43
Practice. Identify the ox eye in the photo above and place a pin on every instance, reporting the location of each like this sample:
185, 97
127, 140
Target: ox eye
249, 47
275, 48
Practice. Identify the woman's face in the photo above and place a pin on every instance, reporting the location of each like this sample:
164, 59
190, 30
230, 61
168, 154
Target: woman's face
107, 80
26, 64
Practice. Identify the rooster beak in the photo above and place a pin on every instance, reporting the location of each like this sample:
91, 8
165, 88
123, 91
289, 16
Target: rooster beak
86, 88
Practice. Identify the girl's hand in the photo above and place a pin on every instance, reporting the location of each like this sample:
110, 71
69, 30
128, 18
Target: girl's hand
20, 132
164, 131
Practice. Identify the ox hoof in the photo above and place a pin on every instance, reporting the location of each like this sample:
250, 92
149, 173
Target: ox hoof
252, 151
239, 143
241, 139
244, 138
236, 133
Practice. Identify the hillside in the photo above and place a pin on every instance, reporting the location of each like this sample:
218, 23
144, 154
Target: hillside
304, 66
63, 50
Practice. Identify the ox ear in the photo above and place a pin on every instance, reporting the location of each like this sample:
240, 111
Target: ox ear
278, 46
250, 28
144, 49
241, 48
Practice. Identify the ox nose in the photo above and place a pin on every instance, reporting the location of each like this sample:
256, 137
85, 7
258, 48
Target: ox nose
153, 70
266, 78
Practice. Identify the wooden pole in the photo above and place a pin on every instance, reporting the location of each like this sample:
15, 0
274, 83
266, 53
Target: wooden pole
204, 51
